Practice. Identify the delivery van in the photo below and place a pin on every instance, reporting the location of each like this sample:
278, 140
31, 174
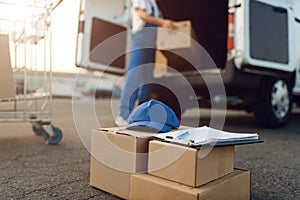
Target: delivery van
254, 45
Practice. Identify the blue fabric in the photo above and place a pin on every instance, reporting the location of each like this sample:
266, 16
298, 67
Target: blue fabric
154, 114
140, 70
138, 74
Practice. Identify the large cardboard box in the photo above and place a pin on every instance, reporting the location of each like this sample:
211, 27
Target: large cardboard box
235, 186
189, 166
7, 83
115, 155
181, 38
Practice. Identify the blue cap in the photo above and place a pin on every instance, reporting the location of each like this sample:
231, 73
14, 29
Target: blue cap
154, 114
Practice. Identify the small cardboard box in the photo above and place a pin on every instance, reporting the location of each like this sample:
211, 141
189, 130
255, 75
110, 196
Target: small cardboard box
180, 38
115, 155
7, 82
189, 166
235, 186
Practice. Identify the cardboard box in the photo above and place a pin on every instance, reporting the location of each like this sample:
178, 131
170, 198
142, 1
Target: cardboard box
160, 67
189, 166
115, 155
181, 38
7, 83
235, 186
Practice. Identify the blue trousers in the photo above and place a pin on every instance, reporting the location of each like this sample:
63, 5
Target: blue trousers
140, 71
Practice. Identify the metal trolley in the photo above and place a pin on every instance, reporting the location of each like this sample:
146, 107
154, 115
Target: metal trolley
25, 65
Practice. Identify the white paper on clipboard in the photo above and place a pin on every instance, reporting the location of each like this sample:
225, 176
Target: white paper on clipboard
204, 135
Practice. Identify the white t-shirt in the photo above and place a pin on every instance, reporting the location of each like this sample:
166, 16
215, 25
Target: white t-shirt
137, 22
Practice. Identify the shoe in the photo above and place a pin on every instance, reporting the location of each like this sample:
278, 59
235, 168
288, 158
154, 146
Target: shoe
120, 121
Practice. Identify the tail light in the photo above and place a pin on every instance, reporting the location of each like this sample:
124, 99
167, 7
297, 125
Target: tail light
230, 35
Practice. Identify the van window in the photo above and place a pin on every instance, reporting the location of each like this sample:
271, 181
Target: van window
269, 33
102, 31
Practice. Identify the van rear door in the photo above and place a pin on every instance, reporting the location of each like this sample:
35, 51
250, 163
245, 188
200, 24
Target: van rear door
99, 20
264, 35
103, 35
209, 19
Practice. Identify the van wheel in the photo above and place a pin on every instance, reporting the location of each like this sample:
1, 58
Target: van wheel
274, 108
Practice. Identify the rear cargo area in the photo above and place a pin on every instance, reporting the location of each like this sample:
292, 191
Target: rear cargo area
209, 20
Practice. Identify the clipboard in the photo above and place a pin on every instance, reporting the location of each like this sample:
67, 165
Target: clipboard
214, 144
206, 136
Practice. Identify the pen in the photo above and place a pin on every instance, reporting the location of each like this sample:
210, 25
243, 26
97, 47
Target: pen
183, 135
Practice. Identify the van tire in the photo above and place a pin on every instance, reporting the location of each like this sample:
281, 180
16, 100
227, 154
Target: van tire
274, 104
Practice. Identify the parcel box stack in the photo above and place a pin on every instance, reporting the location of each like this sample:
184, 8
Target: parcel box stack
178, 172
132, 166
116, 154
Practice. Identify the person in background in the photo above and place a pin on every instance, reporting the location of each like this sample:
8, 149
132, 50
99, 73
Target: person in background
146, 17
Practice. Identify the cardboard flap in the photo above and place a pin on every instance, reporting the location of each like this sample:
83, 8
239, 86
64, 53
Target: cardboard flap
123, 131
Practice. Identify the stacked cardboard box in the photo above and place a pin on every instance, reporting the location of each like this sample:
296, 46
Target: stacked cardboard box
116, 154
189, 166
234, 186
120, 162
178, 172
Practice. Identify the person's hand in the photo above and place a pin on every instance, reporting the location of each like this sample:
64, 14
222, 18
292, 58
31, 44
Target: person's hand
169, 24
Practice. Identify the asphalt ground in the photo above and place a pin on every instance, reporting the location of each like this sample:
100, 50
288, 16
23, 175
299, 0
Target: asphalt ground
30, 169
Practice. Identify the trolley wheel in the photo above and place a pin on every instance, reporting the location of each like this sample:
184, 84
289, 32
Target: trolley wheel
54, 139
38, 130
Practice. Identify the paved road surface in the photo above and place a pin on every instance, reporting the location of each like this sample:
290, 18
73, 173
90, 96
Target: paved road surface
32, 170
